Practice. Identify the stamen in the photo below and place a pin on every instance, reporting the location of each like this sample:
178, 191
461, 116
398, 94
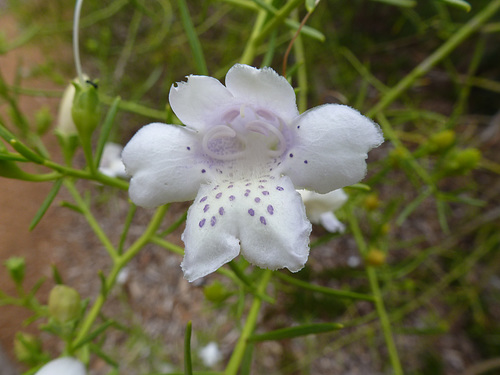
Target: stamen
263, 128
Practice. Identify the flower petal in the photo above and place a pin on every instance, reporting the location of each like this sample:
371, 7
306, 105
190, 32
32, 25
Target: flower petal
196, 100
332, 142
265, 215
317, 204
63, 366
277, 235
331, 223
164, 164
211, 232
264, 88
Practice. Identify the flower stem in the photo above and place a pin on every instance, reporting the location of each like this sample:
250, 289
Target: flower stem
76, 49
241, 345
379, 302
251, 46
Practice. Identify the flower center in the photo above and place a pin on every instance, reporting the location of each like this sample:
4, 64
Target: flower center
246, 134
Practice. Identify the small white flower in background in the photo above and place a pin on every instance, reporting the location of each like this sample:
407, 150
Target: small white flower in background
65, 124
210, 354
242, 153
111, 163
63, 366
320, 207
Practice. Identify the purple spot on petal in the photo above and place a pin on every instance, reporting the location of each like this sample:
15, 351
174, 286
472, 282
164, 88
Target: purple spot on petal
298, 127
263, 220
248, 184
262, 180
202, 223
251, 212
265, 192
305, 161
218, 195
231, 197
213, 221
257, 199
270, 209
203, 171
203, 199
261, 187
205, 209
279, 188
230, 186
189, 148
221, 211
291, 155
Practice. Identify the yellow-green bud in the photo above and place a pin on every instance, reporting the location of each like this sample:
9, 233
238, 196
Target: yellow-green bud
371, 202
85, 111
375, 257
16, 267
215, 292
27, 348
397, 155
462, 161
64, 303
441, 141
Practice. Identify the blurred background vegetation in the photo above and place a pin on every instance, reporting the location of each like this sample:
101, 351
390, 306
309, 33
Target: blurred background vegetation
431, 221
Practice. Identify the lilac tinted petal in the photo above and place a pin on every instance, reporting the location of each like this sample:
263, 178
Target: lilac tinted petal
332, 142
277, 235
210, 236
263, 88
273, 231
199, 99
162, 162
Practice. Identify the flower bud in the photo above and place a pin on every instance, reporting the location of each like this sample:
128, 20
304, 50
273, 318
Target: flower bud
85, 111
371, 202
463, 161
441, 141
64, 303
63, 366
27, 348
16, 267
375, 257
215, 292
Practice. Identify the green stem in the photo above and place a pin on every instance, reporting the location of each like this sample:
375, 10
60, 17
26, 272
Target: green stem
113, 253
251, 46
379, 302
443, 51
241, 345
119, 262
278, 19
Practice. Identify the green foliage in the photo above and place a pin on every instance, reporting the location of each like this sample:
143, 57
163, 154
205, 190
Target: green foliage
423, 226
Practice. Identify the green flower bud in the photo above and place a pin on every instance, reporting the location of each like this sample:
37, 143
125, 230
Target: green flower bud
462, 161
64, 303
43, 119
16, 267
441, 141
27, 348
216, 292
85, 111
375, 257
371, 202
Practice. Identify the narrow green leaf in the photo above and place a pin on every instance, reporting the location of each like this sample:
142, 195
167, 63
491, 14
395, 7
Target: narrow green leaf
311, 4
105, 130
57, 275
188, 365
303, 330
399, 3
192, 36
46, 203
97, 350
459, 4
93, 334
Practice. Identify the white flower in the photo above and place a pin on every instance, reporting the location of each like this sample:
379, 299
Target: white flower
62, 366
65, 124
111, 163
320, 207
210, 354
242, 153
